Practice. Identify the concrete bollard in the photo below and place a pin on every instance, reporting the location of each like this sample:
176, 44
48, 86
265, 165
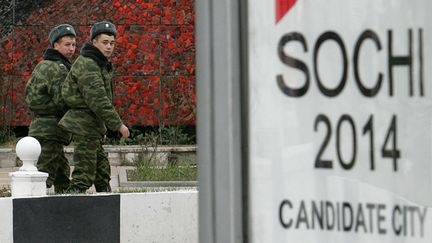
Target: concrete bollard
28, 181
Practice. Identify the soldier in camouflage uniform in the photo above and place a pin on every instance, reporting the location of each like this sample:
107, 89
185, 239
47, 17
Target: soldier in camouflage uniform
43, 97
88, 92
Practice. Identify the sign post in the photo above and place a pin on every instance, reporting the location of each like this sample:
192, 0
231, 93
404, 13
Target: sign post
219, 122
340, 121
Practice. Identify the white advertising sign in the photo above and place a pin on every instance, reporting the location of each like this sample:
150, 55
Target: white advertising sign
340, 121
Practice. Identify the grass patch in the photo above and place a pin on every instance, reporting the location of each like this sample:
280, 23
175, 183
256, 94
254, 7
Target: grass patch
8, 142
121, 190
174, 171
139, 190
5, 192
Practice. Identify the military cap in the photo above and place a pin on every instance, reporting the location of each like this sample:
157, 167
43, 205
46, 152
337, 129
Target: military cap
103, 27
59, 31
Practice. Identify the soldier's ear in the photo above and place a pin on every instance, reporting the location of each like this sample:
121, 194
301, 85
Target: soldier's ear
56, 45
94, 41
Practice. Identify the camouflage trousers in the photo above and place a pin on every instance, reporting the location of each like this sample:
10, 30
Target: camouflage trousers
52, 160
91, 166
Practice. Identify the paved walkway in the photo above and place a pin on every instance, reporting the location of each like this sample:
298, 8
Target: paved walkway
115, 179
4, 175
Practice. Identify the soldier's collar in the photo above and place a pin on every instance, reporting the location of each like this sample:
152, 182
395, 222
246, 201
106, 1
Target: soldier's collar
54, 55
92, 52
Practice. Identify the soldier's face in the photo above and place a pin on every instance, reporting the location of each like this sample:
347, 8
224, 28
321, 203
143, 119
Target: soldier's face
66, 46
105, 44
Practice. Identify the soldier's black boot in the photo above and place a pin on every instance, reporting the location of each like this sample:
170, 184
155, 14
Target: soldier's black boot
60, 189
103, 188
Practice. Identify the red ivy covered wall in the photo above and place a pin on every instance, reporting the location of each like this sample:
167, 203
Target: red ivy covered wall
154, 58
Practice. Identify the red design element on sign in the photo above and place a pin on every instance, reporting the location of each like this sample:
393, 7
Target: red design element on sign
282, 7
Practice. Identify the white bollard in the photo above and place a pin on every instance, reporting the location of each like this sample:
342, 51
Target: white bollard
28, 181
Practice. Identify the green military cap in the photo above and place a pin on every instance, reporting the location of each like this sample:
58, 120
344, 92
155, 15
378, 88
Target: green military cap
59, 31
103, 27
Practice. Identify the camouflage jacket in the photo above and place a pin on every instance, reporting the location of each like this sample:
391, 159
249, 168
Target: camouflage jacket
88, 92
43, 97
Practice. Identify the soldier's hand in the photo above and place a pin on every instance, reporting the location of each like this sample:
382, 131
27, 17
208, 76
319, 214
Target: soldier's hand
124, 131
